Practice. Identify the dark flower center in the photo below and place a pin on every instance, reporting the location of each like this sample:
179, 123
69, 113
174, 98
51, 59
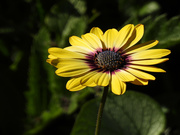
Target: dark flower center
109, 60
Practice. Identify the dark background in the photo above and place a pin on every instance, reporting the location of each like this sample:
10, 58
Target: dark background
20, 19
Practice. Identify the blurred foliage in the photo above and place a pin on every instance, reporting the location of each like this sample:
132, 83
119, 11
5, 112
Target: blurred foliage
131, 114
167, 33
35, 100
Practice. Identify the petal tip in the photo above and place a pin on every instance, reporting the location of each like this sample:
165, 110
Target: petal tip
156, 41
94, 28
169, 52
140, 25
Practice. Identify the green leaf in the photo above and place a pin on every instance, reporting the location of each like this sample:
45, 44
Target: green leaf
130, 114
47, 97
18, 55
133, 8
162, 29
79, 98
41, 108
66, 19
149, 8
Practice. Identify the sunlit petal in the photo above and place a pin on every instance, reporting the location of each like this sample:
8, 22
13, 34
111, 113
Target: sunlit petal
123, 35
140, 74
149, 62
139, 81
118, 87
78, 49
76, 41
92, 40
73, 69
97, 31
125, 76
109, 37
102, 79
147, 68
74, 85
141, 47
87, 79
150, 54
62, 53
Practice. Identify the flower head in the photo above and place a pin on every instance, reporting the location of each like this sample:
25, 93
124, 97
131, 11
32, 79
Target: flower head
110, 58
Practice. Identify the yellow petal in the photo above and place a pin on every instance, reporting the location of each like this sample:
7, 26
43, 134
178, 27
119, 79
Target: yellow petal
92, 40
88, 80
102, 79
150, 54
72, 70
123, 35
117, 86
52, 57
141, 47
77, 41
71, 63
136, 36
49, 61
90, 84
139, 81
139, 32
109, 36
74, 85
62, 53
147, 68
140, 74
79, 49
53, 62
125, 76
97, 31
149, 62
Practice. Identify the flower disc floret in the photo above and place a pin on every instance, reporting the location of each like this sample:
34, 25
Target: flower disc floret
109, 60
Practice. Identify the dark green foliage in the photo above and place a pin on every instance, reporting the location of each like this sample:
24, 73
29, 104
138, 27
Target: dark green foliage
162, 29
131, 114
34, 99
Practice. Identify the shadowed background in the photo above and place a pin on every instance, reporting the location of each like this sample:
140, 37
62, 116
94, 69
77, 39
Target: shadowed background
33, 99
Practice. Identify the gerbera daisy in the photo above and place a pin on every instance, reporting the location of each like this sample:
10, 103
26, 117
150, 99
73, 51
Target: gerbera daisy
110, 58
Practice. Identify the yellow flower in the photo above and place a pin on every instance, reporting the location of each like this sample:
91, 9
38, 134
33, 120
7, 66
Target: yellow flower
110, 58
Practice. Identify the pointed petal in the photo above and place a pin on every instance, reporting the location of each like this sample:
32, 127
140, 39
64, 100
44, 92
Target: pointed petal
62, 53
149, 62
141, 47
78, 49
77, 41
102, 79
109, 37
150, 54
139, 32
74, 85
140, 74
71, 68
52, 57
88, 80
71, 62
97, 31
147, 68
139, 81
117, 86
92, 40
123, 35
125, 76
53, 62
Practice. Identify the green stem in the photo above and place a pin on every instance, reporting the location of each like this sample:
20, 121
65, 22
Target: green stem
100, 111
